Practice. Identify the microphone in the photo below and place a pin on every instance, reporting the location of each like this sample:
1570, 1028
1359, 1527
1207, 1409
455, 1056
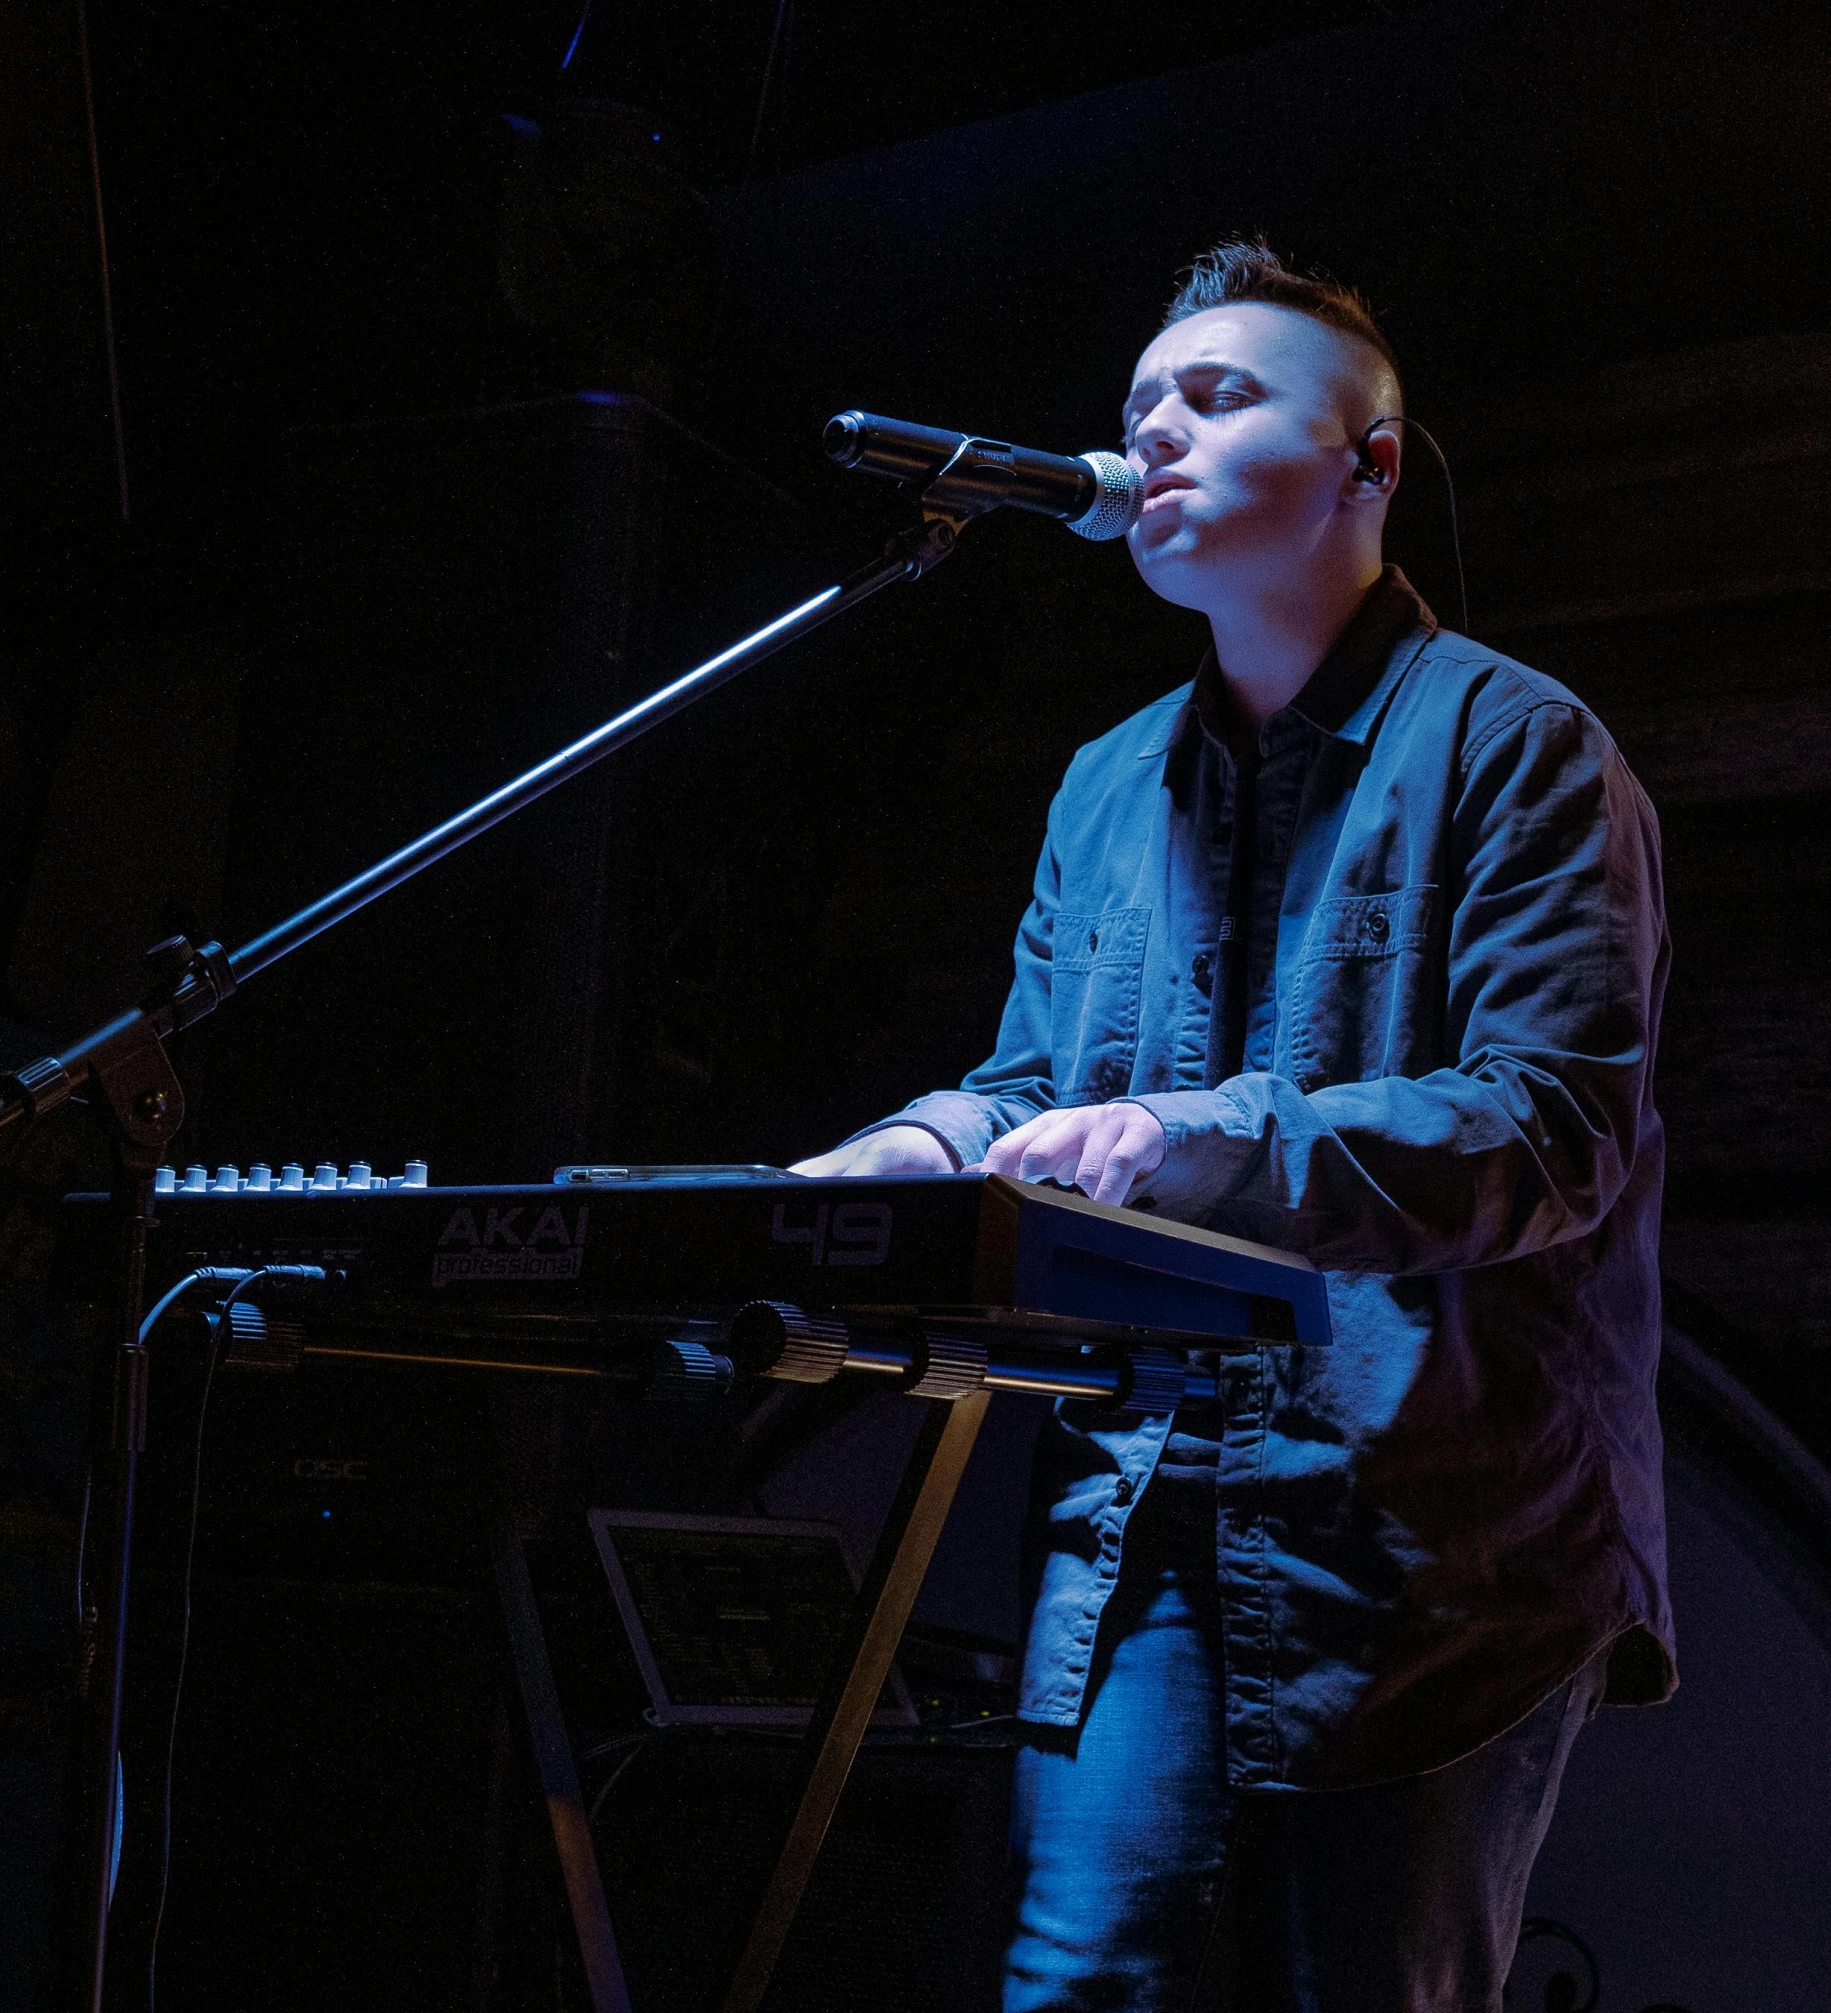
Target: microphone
1098, 494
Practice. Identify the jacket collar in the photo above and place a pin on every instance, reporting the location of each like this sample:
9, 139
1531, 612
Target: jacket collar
1347, 692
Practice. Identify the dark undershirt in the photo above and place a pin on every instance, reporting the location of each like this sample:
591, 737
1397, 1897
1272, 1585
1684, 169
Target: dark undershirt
1227, 1015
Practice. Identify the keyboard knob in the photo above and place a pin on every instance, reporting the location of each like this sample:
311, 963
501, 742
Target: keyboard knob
951, 1366
685, 1372
771, 1338
415, 1177
1158, 1379
196, 1180
165, 1181
228, 1179
326, 1177
292, 1178
260, 1177
362, 1175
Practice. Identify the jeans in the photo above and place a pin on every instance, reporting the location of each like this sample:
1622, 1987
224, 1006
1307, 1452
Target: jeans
1147, 1884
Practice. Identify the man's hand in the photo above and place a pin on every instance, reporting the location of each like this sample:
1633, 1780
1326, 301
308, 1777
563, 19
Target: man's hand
898, 1149
1102, 1149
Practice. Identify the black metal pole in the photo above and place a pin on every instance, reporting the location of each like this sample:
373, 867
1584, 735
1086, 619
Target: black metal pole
43, 1085
897, 564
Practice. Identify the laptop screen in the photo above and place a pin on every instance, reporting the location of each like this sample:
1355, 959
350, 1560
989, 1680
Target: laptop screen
733, 1621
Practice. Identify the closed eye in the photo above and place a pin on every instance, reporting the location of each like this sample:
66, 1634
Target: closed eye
1207, 404
1208, 387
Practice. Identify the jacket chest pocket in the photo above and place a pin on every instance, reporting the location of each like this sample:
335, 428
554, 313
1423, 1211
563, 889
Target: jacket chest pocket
1363, 1003
1097, 974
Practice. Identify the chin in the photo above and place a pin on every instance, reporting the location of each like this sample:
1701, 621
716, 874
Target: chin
1172, 569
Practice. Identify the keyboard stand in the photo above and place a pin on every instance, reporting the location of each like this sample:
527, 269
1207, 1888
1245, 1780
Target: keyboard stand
898, 1565
557, 1772
841, 1714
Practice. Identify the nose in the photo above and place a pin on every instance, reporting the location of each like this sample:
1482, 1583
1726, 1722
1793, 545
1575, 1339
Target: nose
1156, 438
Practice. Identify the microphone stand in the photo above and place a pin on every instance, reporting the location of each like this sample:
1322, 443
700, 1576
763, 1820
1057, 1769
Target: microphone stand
129, 1074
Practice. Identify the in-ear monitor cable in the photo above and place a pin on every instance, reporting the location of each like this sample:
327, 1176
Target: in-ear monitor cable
1449, 484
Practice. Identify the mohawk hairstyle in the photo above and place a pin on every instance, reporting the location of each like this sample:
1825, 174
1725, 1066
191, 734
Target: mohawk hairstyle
1241, 269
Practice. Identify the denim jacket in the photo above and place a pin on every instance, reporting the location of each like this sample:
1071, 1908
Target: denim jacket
1445, 1101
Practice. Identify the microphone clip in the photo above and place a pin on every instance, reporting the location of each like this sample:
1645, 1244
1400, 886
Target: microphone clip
976, 478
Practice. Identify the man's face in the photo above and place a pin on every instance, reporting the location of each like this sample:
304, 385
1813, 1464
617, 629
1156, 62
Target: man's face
1238, 421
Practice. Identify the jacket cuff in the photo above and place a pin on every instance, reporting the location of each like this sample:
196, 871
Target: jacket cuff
956, 1118
1210, 1143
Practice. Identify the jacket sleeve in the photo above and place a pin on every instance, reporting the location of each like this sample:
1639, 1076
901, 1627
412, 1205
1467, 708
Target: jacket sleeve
1556, 964
1016, 1082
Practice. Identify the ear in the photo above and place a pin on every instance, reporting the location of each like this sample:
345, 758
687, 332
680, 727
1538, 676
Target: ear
1375, 474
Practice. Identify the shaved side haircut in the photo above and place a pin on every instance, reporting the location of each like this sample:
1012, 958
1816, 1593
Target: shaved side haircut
1240, 269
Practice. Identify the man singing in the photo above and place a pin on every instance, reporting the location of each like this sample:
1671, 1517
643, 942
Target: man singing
1354, 946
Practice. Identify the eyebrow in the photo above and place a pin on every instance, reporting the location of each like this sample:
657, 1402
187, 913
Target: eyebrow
1214, 368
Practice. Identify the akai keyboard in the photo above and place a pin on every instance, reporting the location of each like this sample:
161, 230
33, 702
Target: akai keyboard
541, 1270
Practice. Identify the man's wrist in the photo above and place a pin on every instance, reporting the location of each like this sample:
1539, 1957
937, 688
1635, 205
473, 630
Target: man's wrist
1208, 1142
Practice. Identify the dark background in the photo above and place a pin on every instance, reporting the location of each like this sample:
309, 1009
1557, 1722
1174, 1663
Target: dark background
380, 551
355, 589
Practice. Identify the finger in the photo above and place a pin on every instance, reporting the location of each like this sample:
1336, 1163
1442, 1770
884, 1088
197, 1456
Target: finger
1136, 1152
1015, 1158
1101, 1138
1002, 1155
1005, 1155
1116, 1176
1055, 1153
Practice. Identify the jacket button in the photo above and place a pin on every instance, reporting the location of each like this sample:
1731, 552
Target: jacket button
1378, 928
1202, 970
1124, 1490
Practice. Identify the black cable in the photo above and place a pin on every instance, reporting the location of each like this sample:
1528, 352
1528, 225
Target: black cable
1449, 484
238, 1276
204, 1275
101, 238
769, 74
218, 1331
715, 325
82, 1551
638, 1743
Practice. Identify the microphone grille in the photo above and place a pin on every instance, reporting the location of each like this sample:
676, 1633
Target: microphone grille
1115, 509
